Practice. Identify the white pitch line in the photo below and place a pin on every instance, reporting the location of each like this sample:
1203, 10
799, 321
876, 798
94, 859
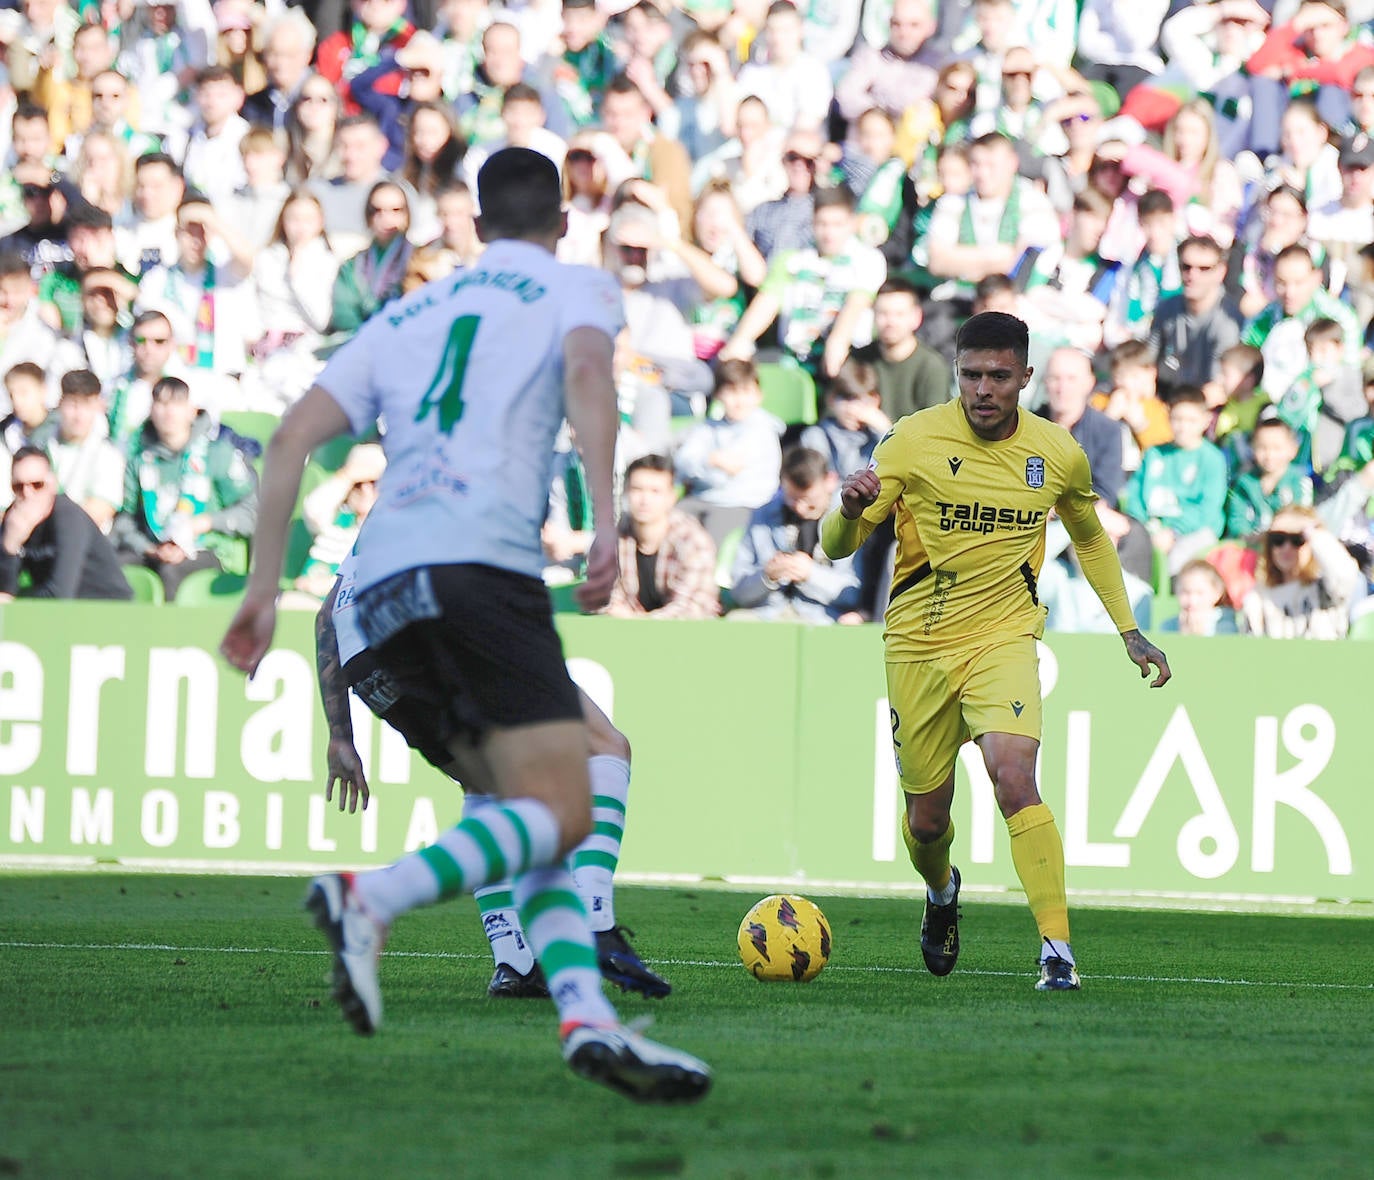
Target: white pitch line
1215, 981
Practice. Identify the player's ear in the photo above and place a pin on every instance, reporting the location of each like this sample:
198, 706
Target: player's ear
1030, 372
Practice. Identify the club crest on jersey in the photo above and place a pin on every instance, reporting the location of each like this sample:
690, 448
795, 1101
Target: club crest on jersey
1035, 472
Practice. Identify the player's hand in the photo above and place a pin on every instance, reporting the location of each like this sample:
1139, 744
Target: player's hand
346, 769
603, 566
857, 492
1144, 655
250, 634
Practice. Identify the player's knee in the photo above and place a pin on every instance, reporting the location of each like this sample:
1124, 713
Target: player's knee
1015, 789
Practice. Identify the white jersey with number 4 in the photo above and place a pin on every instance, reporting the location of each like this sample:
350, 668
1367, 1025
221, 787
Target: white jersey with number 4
467, 373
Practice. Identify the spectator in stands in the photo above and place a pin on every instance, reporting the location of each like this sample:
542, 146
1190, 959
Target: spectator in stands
821, 298
1278, 330
112, 111
1201, 592
729, 466
210, 158
1068, 391
705, 116
49, 538
899, 75
627, 118
667, 560
190, 498
718, 230
911, 375
1306, 581
501, 66
1180, 489
853, 422
26, 389
457, 243
103, 174
161, 58
433, 155
752, 161
238, 41
102, 342
89, 468
1152, 278
780, 571
131, 395
1326, 396
205, 296
380, 27
649, 59
312, 150
1018, 112
24, 335
1308, 161
1117, 45
985, 232
150, 238
287, 48
373, 276
397, 86
522, 115
90, 238
68, 99
593, 168
1344, 225
1134, 400
1282, 222
334, 513
1191, 330
344, 197
1237, 399
1277, 481
794, 85
42, 240
581, 73
250, 212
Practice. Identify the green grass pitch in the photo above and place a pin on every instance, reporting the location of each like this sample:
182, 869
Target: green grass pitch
158, 1026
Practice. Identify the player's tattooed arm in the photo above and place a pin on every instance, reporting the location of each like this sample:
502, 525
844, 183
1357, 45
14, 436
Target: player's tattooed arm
1145, 655
345, 767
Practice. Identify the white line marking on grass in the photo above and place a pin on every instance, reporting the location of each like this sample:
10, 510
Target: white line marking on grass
464, 956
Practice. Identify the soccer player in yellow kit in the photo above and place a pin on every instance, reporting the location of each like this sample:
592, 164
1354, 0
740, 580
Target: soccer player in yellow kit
973, 483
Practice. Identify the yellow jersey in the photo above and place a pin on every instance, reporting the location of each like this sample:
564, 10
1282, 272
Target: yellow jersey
970, 525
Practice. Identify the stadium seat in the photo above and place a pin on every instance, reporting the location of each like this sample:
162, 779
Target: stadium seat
1362, 625
788, 392
1164, 608
725, 557
1160, 582
210, 588
563, 600
145, 584
255, 424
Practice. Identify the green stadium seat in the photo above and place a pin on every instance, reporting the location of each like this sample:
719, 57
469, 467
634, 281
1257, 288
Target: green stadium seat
1162, 610
254, 424
1362, 626
210, 588
1160, 582
563, 599
145, 584
788, 392
725, 557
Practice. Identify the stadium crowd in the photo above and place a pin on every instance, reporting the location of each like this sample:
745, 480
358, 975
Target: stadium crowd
800, 202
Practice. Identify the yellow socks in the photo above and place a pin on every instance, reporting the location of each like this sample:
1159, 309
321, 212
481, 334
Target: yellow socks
1038, 854
930, 860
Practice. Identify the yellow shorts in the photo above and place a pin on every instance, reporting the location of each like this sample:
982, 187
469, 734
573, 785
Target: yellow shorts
937, 705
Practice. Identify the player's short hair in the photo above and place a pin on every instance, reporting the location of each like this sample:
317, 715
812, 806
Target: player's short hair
1323, 329
996, 331
1187, 395
520, 194
659, 463
79, 383
1154, 203
735, 371
1132, 354
804, 468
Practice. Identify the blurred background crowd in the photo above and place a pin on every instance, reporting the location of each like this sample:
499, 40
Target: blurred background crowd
802, 202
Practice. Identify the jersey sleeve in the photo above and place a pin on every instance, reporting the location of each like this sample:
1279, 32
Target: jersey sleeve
1096, 553
840, 536
347, 378
593, 300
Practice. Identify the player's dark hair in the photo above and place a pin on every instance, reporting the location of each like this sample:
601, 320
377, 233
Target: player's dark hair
995, 331
79, 383
520, 194
804, 468
650, 463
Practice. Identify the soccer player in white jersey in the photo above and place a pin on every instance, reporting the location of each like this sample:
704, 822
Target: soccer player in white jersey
473, 374
344, 662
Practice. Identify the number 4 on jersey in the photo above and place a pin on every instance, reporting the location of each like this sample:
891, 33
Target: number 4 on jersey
445, 392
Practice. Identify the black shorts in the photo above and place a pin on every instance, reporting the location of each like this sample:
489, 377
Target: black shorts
377, 689
465, 649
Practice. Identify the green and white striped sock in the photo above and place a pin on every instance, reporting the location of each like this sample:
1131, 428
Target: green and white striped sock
490, 845
556, 926
594, 861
